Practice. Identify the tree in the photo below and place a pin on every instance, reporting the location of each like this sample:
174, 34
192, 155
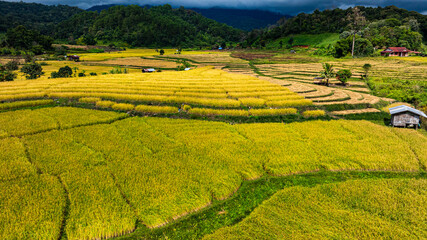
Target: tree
343, 75
23, 39
366, 69
357, 22
6, 75
184, 65
89, 39
291, 41
75, 71
162, 52
32, 70
342, 47
363, 47
328, 72
12, 66
65, 72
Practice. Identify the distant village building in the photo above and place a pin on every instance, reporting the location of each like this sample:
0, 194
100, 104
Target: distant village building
73, 58
404, 116
396, 51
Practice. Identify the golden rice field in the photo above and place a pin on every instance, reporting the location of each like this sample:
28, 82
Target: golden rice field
357, 209
203, 87
133, 53
141, 62
412, 68
109, 170
78, 173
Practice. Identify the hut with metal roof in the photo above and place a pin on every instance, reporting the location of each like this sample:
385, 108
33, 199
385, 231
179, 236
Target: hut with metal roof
396, 51
404, 116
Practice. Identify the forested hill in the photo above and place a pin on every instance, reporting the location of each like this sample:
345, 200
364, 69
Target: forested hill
332, 21
99, 8
241, 18
160, 26
34, 16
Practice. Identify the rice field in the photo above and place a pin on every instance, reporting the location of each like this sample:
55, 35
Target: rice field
141, 62
133, 53
110, 170
204, 87
357, 209
100, 170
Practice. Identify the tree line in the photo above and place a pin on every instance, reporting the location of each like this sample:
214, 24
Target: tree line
383, 27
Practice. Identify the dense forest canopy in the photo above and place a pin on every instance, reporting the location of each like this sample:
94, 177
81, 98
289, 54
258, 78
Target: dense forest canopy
332, 21
244, 19
34, 16
149, 27
163, 26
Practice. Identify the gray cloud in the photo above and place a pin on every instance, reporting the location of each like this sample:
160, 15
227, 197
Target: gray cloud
284, 6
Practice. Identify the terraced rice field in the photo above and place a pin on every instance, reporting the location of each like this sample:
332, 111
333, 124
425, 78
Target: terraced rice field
96, 174
77, 173
358, 209
132, 53
141, 62
203, 87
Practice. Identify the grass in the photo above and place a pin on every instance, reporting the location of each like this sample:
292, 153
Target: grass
13, 162
105, 104
123, 107
249, 196
22, 104
156, 109
91, 188
313, 113
89, 100
99, 174
203, 87
359, 209
314, 40
25, 122
157, 170
31, 208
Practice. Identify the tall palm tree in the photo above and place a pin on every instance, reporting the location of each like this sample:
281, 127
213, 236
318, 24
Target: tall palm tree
328, 72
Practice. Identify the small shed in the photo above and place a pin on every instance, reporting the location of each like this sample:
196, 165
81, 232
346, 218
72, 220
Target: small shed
75, 58
404, 116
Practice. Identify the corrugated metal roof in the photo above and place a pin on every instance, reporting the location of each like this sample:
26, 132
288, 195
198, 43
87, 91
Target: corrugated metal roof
403, 108
396, 49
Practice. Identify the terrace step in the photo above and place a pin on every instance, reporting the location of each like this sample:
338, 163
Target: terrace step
356, 111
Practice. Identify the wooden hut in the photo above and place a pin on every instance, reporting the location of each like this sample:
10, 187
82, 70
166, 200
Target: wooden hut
404, 116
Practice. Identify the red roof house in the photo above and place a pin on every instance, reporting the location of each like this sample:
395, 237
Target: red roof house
396, 51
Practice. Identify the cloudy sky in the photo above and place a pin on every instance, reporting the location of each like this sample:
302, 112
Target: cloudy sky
292, 7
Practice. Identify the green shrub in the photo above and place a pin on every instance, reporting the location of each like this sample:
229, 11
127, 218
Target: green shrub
12, 66
63, 72
343, 75
6, 75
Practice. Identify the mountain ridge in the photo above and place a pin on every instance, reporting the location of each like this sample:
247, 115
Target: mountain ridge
243, 19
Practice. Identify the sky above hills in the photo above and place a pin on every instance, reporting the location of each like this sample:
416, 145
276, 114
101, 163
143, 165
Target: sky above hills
291, 7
